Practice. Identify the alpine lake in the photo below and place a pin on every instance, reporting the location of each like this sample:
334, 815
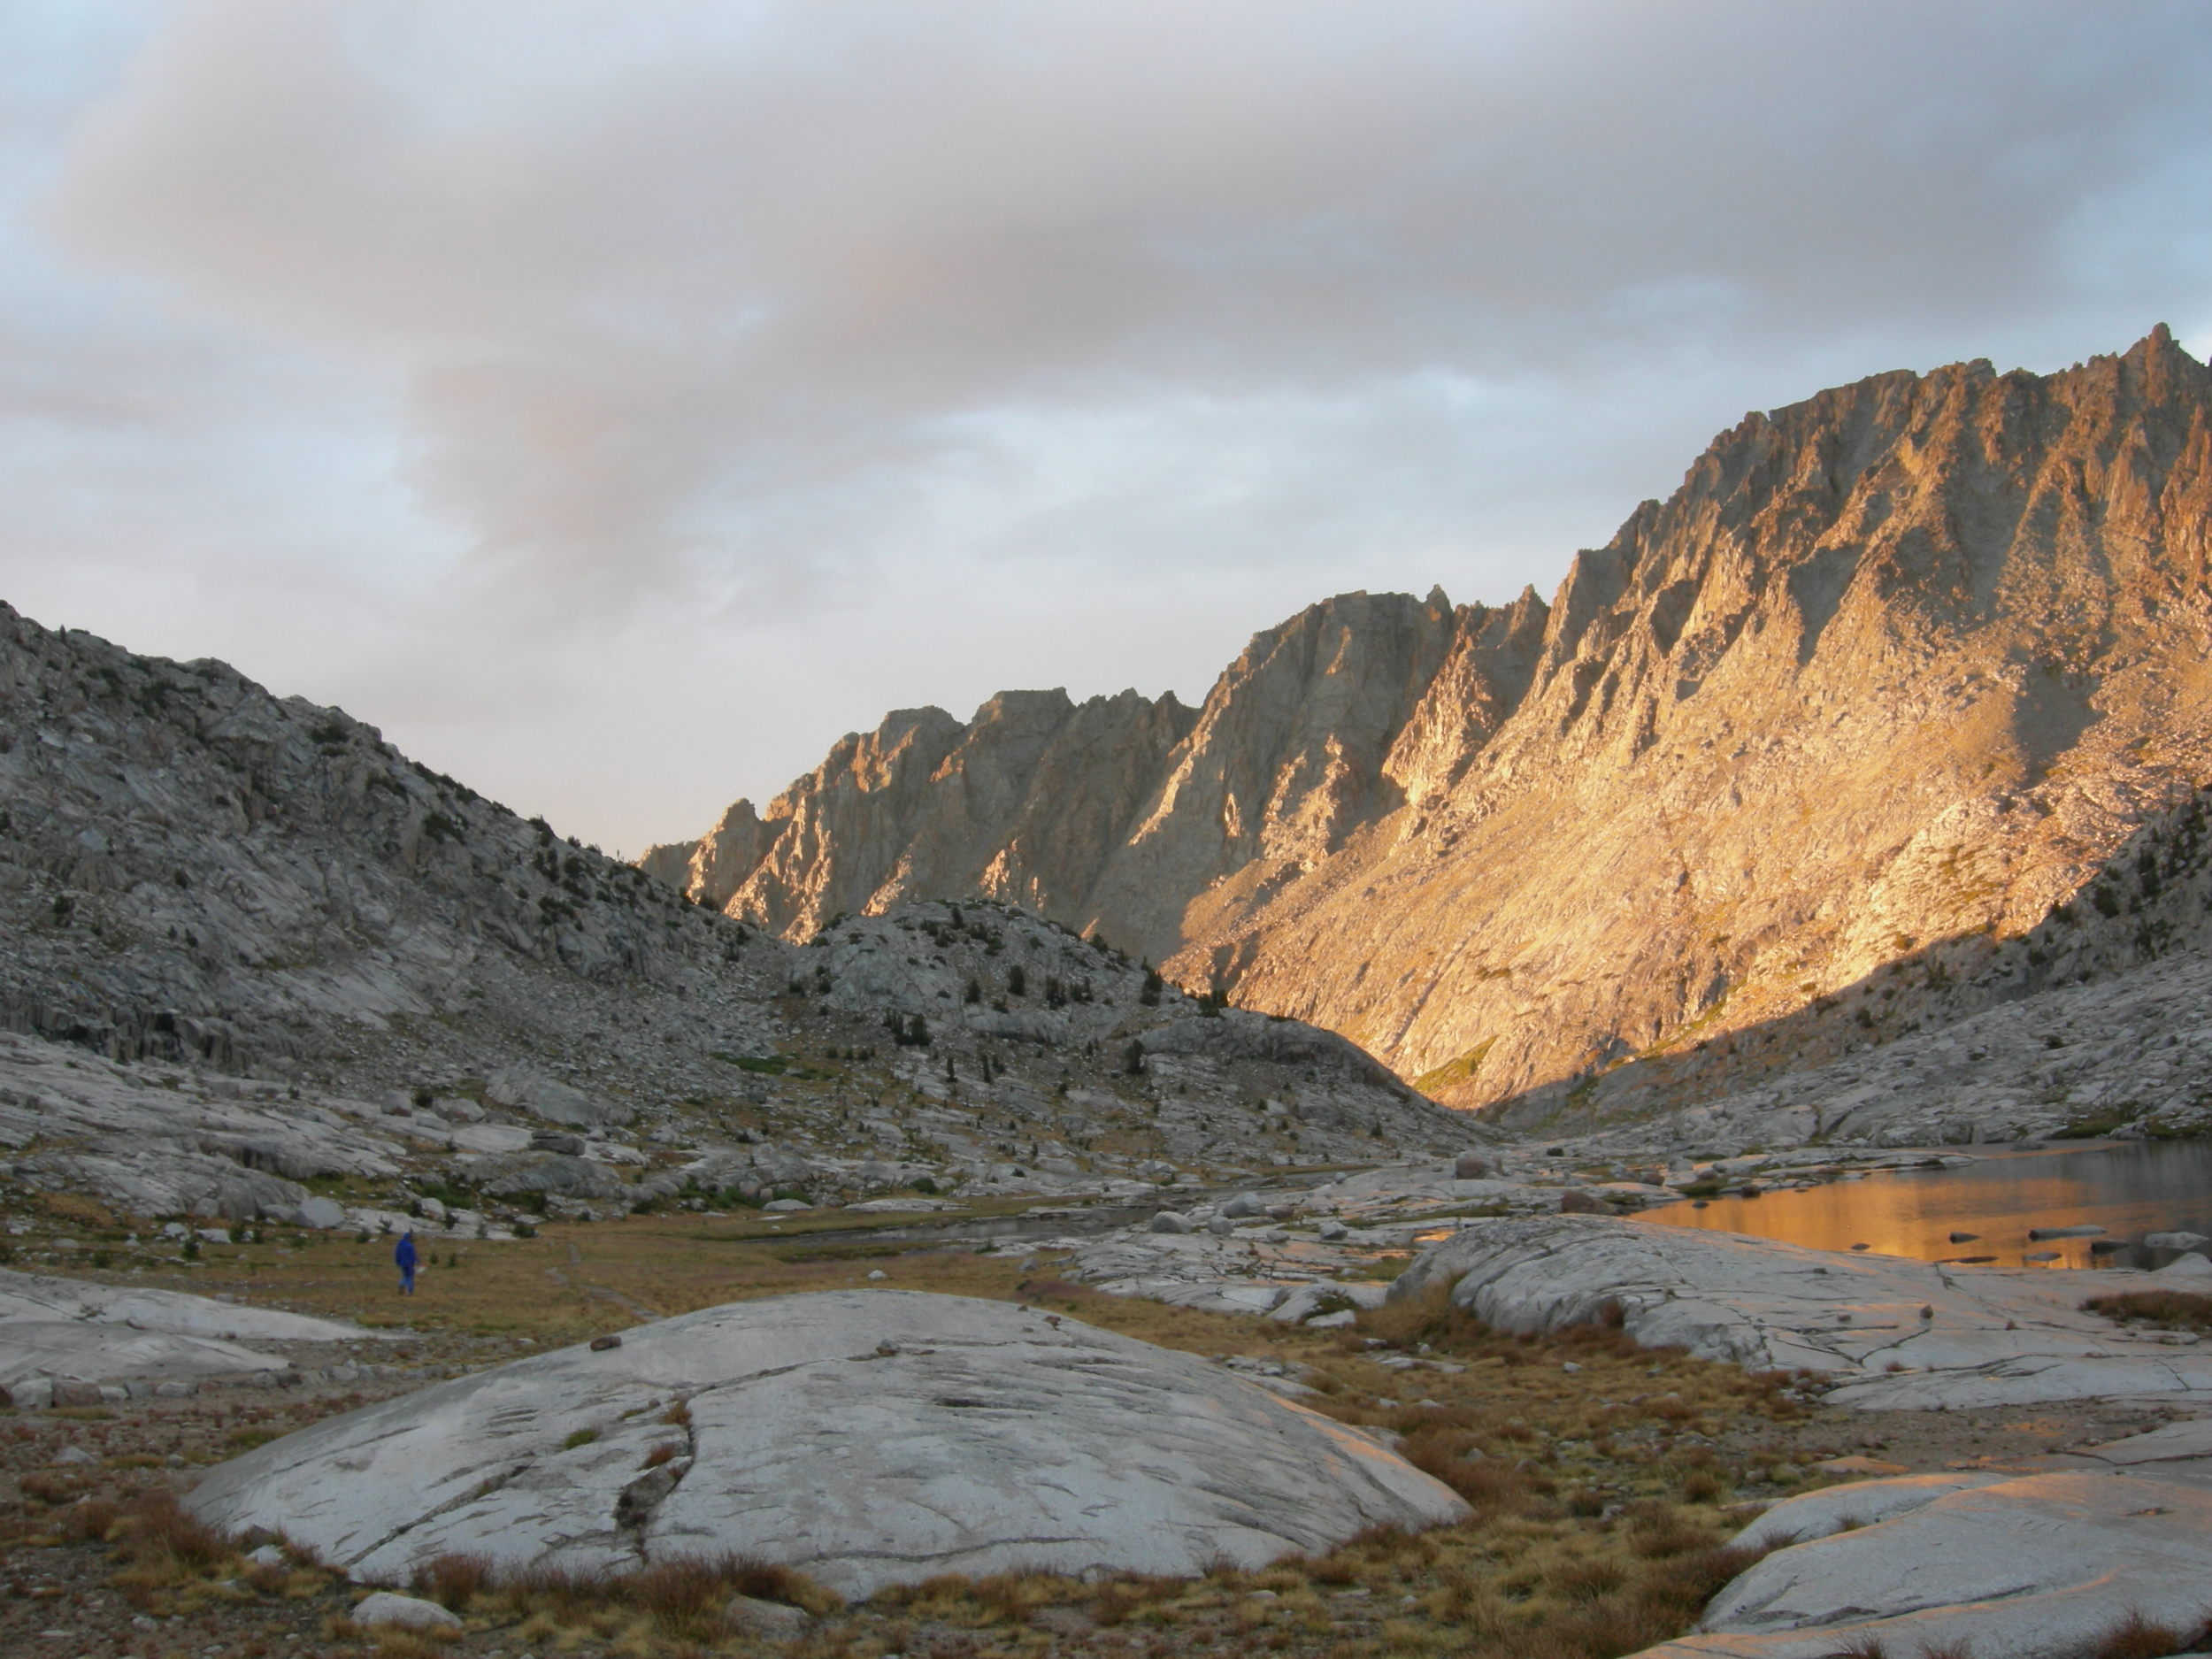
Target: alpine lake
1982, 1210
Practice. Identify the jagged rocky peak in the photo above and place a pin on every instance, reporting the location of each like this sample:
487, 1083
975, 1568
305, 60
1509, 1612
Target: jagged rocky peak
1120, 812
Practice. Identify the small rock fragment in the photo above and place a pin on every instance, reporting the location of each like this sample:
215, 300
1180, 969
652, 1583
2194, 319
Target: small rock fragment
601, 1344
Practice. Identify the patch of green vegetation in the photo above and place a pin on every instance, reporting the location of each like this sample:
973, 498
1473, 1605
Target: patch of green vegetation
1486, 1211
2097, 1125
1384, 1268
772, 1064
1453, 1071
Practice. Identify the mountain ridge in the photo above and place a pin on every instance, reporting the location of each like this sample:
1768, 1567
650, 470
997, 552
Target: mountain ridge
1905, 660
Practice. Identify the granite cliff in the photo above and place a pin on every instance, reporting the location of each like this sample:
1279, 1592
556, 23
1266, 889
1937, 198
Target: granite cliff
1894, 671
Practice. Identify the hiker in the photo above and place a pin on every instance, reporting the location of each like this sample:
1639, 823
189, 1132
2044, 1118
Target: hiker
405, 1254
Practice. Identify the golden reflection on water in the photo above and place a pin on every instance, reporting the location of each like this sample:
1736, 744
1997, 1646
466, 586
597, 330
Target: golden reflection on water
2128, 1190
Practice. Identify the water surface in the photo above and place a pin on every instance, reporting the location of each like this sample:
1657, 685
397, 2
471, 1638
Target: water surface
2129, 1190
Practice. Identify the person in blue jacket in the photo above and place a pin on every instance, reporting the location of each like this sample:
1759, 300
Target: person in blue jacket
405, 1254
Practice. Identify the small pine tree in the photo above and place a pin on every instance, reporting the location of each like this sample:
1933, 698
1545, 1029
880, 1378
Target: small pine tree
1017, 981
1153, 985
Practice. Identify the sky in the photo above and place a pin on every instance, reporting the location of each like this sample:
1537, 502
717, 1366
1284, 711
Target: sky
616, 401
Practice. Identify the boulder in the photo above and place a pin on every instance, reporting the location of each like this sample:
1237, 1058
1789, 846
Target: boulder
1242, 1206
321, 1214
2174, 1240
1575, 1201
1171, 1221
864, 1437
1304, 1302
768, 1621
408, 1612
1470, 1166
2041, 1567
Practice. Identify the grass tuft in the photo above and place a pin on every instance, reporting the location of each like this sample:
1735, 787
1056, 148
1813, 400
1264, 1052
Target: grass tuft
2167, 1310
2137, 1637
453, 1581
162, 1539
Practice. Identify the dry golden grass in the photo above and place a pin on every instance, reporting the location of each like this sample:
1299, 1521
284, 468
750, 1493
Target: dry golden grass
2139, 1638
1594, 1469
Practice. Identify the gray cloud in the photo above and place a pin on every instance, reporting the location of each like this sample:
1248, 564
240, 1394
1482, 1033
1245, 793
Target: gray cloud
619, 401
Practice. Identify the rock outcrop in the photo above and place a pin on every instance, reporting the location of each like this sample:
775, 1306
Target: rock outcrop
58, 1331
1888, 1333
865, 1437
2042, 1566
1896, 672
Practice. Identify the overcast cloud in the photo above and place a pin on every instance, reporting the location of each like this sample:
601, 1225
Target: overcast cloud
616, 402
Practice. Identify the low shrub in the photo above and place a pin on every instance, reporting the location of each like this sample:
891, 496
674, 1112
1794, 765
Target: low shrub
2168, 1309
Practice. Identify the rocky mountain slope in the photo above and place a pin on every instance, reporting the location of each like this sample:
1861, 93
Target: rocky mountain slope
1892, 673
2095, 1022
250, 947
